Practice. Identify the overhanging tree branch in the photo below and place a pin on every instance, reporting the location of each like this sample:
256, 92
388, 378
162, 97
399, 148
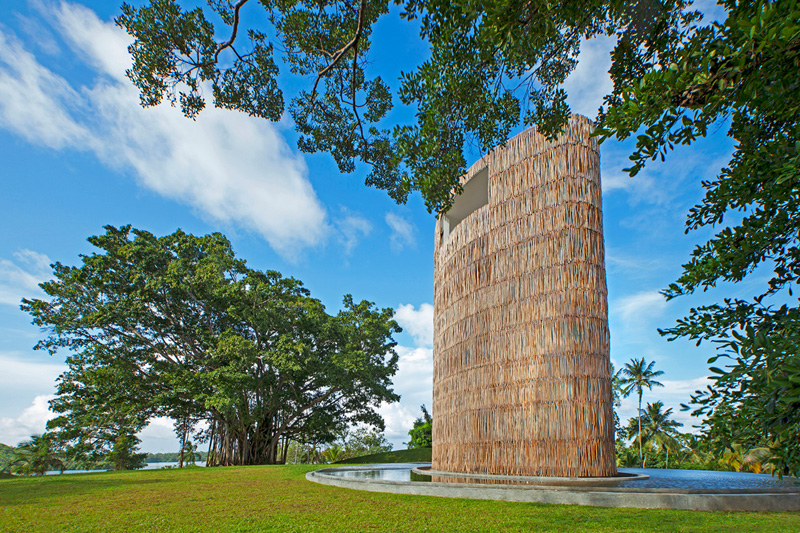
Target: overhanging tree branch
234, 31
339, 54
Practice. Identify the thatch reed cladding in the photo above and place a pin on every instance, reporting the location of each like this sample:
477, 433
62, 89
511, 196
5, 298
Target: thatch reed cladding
521, 371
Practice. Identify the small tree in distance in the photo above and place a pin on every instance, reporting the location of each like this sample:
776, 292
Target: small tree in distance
422, 432
657, 429
124, 455
635, 376
36, 456
365, 441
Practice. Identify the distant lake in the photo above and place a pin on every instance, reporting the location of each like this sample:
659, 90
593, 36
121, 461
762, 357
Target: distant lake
148, 466
156, 466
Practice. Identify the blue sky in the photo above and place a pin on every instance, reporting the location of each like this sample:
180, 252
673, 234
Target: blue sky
77, 152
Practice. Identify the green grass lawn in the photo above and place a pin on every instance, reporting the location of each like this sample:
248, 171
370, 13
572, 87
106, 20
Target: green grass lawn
278, 498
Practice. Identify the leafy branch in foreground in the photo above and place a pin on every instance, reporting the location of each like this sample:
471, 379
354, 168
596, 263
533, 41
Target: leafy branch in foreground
743, 71
494, 65
176, 52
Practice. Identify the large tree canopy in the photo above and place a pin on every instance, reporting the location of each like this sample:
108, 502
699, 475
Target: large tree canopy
177, 326
494, 65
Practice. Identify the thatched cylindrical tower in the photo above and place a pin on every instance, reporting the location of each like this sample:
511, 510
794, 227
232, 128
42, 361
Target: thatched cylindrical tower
521, 370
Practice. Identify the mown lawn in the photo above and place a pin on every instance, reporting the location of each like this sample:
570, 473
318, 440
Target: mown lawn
278, 498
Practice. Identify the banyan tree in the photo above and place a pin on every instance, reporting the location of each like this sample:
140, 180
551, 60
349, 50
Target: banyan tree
177, 326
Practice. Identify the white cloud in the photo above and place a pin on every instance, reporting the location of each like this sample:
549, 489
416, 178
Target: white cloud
631, 265
18, 372
667, 186
590, 81
418, 323
684, 387
677, 392
672, 394
34, 102
634, 320
640, 306
414, 383
159, 436
103, 44
24, 380
21, 278
399, 419
230, 167
402, 232
617, 180
39, 34
32, 421
414, 378
655, 185
415, 371
351, 228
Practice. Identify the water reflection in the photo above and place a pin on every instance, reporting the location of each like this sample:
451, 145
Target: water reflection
387, 472
706, 479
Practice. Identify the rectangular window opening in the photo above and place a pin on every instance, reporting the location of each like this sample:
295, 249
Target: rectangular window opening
474, 196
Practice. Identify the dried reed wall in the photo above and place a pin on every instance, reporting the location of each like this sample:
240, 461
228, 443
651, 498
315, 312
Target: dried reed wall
521, 382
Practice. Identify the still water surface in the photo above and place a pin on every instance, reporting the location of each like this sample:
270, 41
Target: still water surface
148, 466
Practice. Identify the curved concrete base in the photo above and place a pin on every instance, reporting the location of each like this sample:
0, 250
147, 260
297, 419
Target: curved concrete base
778, 499
488, 479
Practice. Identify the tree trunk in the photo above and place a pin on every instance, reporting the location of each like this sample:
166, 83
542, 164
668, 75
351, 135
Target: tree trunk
211, 450
641, 460
285, 450
183, 442
232, 443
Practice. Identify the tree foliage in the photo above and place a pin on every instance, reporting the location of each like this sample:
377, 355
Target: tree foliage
325, 42
36, 456
743, 70
655, 427
494, 65
123, 455
365, 441
177, 326
422, 432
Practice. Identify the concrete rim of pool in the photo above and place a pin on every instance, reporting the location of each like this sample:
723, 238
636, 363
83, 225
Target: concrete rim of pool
483, 488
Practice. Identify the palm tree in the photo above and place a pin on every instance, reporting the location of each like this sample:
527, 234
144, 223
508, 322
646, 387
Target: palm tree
637, 375
36, 456
695, 449
659, 428
739, 459
616, 394
333, 453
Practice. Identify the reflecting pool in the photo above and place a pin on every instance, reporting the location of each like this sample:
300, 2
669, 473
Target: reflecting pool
659, 478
